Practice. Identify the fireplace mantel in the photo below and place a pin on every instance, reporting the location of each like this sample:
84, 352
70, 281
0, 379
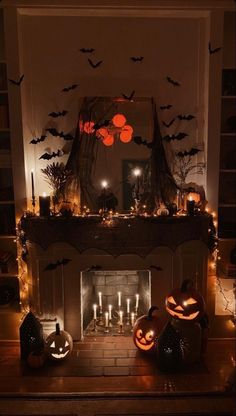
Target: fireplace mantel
121, 235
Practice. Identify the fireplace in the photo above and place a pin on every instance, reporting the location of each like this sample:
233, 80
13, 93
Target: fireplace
70, 261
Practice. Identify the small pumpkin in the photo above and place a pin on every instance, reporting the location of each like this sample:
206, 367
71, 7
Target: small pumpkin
185, 303
59, 344
36, 359
146, 330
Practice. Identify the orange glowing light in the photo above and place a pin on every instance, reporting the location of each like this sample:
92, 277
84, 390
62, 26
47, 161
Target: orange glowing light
108, 140
126, 134
88, 127
102, 132
119, 120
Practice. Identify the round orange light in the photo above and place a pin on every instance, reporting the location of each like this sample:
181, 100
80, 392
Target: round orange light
88, 127
108, 140
126, 134
102, 132
119, 120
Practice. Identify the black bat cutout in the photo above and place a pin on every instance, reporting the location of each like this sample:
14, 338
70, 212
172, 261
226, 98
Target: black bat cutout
139, 140
168, 124
71, 87
48, 156
129, 97
105, 123
158, 268
188, 117
178, 136
193, 151
166, 107
87, 50
53, 266
93, 65
38, 139
137, 58
17, 82
173, 82
211, 51
54, 132
55, 114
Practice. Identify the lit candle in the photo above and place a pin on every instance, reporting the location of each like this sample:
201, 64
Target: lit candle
119, 298
104, 184
106, 319
128, 305
44, 205
132, 318
109, 311
137, 174
100, 299
137, 300
190, 206
94, 311
121, 317
32, 184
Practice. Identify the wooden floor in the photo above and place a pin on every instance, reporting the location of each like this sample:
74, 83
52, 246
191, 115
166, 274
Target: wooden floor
108, 376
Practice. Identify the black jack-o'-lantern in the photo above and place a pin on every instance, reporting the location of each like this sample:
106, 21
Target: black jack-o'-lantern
185, 303
59, 344
146, 330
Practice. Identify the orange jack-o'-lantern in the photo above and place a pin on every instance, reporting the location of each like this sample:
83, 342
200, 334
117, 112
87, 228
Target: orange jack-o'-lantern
59, 344
185, 303
146, 330
119, 120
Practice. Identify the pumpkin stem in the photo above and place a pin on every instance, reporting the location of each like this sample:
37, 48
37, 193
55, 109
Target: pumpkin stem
151, 310
187, 284
57, 329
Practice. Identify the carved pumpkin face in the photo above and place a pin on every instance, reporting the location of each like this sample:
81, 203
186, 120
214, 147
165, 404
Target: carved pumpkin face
145, 331
185, 303
59, 344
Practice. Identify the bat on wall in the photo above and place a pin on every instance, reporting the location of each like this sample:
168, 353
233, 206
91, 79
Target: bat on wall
70, 87
187, 117
54, 132
48, 156
53, 266
55, 114
166, 107
211, 50
178, 136
129, 97
17, 82
173, 82
93, 65
139, 140
136, 58
38, 139
168, 124
193, 151
105, 123
87, 50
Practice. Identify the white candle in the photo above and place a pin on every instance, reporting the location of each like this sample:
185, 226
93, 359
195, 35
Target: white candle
121, 317
128, 305
109, 311
137, 300
94, 311
132, 318
106, 319
119, 298
100, 299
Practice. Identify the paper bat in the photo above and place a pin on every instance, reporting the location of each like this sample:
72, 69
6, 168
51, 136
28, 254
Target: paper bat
178, 136
136, 58
193, 151
129, 97
87, 50
48, 156
53, 266
139, 140
93, 65
166, 107
17, 82
168, 124
38, 139
211, 51
173, 82
105, 123
71, 87
55, 114
188, 117
55, 133
158, 268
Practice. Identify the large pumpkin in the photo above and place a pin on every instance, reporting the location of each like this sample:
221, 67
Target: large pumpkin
59, 344
185, 303
146, 330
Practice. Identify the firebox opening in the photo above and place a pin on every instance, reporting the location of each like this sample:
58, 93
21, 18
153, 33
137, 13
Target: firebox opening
112, 300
